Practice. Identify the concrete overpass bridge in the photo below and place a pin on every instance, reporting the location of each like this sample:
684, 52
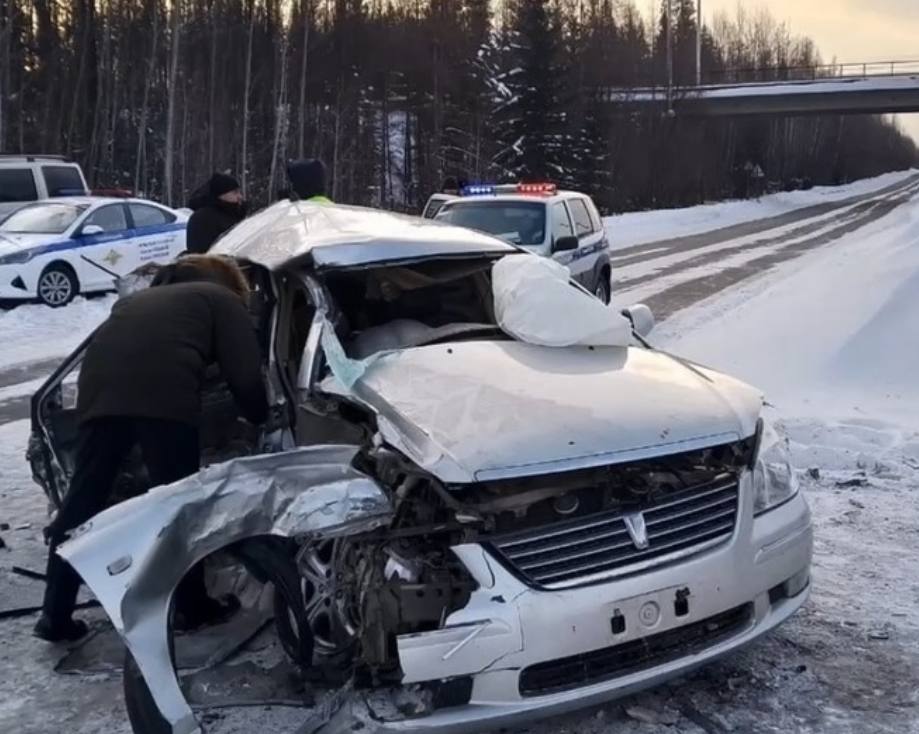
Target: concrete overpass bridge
871, 87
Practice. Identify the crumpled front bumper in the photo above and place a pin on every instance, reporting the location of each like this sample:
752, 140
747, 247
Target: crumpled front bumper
508, 627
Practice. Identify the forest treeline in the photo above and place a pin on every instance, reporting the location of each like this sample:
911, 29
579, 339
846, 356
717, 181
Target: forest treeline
395, 95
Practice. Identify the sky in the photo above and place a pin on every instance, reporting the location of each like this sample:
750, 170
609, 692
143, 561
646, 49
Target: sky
849, 30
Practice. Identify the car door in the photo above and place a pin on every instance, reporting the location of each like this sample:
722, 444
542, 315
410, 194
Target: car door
159, 235
224, 435
104, 252
562, 227
584, 265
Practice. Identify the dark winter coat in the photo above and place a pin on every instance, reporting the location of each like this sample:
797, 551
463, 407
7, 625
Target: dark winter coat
210, 219
149, 358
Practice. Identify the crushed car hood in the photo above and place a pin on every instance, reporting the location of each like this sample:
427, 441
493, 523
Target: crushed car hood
474, 411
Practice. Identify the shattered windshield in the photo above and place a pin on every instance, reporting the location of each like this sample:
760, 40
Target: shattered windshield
401, 306
518, 222
42, 219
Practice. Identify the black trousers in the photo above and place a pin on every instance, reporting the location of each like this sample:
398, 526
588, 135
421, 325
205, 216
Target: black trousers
171, 452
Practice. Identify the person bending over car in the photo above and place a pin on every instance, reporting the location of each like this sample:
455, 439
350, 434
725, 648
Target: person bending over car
140, 384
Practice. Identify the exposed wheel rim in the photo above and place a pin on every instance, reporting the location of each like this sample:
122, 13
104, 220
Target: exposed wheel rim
55, 288
326, 598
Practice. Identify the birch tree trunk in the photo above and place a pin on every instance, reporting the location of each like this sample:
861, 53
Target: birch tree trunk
145, 105
171, 100
280, 125
301, 133
248, 83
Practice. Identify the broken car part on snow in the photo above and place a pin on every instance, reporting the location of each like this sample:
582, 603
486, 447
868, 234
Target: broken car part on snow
474, 529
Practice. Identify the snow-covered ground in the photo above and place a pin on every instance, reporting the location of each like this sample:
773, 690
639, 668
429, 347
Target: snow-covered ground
635, 228
831, 335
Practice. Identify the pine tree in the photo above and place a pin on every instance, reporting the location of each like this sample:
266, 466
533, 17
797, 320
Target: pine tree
530, 118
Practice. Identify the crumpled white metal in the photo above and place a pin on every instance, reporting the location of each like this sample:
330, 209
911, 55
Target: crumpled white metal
536, 303
332, 235
133, 555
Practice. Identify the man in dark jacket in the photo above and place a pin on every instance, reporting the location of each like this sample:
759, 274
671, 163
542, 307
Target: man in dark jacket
307, 180
140, 384
218, 206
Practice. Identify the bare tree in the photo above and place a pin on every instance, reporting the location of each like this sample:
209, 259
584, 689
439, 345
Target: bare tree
176, 41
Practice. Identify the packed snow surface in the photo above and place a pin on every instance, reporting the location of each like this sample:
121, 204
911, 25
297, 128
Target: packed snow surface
635, 228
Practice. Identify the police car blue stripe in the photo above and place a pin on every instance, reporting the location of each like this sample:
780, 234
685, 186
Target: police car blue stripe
583, 252
104, 239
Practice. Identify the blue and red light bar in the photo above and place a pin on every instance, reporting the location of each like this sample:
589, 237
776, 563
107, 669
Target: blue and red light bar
488, 189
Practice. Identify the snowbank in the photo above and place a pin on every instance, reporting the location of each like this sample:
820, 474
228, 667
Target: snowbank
636, 228
33, 332
832, 338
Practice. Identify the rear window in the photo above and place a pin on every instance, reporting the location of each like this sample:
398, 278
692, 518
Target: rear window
149, 216
582, 223
63, 181
17, 184
519, 222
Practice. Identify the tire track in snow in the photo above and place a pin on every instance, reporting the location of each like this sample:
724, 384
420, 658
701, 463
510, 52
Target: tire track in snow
675, 298
639, 253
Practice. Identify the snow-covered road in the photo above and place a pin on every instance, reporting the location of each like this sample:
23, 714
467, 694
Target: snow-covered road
820, 308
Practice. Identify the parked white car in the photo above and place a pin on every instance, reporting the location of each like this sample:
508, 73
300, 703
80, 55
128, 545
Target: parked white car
562, 225
482, 494
56, 249
28, 178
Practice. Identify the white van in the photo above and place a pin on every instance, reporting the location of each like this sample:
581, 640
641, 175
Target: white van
27, 178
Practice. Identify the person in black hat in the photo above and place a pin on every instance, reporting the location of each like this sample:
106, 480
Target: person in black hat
218, 206
307, 180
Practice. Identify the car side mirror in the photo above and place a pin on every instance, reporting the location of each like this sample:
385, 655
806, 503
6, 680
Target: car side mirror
641, 317
91, 229
563, 244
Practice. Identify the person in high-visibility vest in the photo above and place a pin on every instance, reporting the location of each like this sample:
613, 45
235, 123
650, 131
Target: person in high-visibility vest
307, 180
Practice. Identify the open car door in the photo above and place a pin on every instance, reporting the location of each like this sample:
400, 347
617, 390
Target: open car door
224, 433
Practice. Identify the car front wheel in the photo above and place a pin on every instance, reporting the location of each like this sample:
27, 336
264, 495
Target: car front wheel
57, 286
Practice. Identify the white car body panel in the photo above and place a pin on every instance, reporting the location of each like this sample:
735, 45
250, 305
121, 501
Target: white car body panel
486, 410
97, 260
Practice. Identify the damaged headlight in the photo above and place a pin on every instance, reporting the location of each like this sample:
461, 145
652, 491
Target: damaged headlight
774, 479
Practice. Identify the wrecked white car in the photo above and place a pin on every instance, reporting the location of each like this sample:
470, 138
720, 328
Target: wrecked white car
481, 491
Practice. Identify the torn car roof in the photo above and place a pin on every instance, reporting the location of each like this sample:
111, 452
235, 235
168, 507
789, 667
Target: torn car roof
330, 235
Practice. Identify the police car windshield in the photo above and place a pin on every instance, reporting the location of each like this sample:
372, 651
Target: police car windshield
519, 222
42, 219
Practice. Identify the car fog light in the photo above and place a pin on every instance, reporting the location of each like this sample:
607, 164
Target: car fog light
797, 583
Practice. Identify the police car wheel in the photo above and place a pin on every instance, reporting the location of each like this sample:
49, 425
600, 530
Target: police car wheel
602, 290
57, 286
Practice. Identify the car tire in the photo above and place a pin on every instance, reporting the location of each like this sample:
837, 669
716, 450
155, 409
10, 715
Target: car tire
57, 285
603, 291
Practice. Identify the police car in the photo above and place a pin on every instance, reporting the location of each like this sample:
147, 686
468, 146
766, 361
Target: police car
563, 225
54, 250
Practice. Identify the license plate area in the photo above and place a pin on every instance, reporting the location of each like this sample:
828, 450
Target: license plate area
651, 612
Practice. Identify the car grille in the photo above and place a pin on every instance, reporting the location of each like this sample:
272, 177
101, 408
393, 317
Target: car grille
630, 657
565, 552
